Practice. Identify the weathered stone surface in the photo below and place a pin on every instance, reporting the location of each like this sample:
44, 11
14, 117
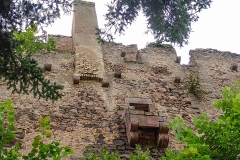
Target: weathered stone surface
48, 67
105, 83
118, 142
64, 43
234, 67
89, 114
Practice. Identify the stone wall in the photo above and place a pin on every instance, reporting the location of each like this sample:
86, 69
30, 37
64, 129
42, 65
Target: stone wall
214, 69
63, 43
152, 78
91, 116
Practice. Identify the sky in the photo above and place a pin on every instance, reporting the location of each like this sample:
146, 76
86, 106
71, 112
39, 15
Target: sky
218, 28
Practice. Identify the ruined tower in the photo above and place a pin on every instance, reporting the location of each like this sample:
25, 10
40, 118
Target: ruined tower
88, 52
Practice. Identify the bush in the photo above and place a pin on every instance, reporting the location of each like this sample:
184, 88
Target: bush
39, 150
105, 155
217, 140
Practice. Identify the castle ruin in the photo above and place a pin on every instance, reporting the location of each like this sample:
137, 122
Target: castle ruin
91, 112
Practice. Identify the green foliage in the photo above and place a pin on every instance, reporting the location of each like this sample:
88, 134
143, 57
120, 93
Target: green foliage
105, 155
30, 43
40, 150
194, 86
20, 70
159, 44
141, 155
7, 128
217, 140
168, 20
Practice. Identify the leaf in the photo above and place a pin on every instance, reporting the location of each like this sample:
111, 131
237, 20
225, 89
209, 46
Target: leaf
47, 119
1, 116
65, 154
193, 150
44, 148
36, 141
1, 128
186, 151
238, 97
11, 128
56, 158
48, 134
17, 146
11, 119
47, 127
10, 135
2, 108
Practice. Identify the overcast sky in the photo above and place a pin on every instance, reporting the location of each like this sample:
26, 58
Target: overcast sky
218, 27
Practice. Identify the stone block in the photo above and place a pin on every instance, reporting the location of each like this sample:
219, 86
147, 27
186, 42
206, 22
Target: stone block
123, 54
76, 79
177, 79
130, 57
117, 71
48, 67
105, 83
234, 67
178, 59
130, 53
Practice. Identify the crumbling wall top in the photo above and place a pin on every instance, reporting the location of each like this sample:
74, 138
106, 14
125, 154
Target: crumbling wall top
213, 52
58, 35
91, 4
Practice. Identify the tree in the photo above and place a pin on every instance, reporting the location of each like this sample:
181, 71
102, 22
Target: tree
168, 20
21, 71
216, 139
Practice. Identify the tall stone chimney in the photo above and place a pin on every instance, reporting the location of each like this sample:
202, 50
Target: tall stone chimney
88, 52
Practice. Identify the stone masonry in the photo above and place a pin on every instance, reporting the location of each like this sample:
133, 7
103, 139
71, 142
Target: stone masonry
63, 43
90, 116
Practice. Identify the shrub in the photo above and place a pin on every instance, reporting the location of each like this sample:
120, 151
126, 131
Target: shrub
218, 140
40, 150
105, 155
194, 86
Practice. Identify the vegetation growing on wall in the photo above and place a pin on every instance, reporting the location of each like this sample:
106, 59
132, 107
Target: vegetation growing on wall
22, 72
159, 44
194, 86
214, 139
40, 150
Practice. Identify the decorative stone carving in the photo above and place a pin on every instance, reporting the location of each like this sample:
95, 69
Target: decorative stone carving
88, 76
48, 67
87, 68
140, 115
